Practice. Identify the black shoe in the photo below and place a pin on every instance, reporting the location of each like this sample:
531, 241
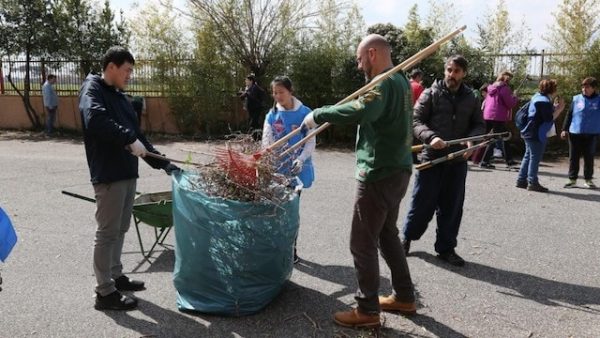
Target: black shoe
537, 187
115, 301
521, 184
487, 165
406, 246
452, 258
123, 283
511, 163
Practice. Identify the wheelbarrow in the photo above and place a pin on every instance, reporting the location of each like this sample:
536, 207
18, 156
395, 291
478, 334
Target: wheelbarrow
153, 209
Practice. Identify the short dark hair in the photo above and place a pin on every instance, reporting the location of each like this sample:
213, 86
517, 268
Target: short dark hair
251, 77
548, 86
284, 81
415, 73
50, 77
117, 55
458, 60
590, 81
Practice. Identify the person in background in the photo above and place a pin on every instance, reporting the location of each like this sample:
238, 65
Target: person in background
581, 127
113, 142
253, 101
286, 115
416, 85
50, 102
497, 112
447, 110
542, 113
383, 169
481, 94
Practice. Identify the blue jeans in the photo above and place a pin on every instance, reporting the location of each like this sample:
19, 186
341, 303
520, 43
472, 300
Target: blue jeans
441, 190
534, 150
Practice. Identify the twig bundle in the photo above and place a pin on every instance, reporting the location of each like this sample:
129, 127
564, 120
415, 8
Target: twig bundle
269, 186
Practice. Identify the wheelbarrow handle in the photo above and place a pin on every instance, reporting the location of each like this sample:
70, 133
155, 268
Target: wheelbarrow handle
85, 198
429, 164
504, 135
407, 64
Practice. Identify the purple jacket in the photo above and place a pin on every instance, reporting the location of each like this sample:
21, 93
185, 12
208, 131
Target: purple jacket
499, 103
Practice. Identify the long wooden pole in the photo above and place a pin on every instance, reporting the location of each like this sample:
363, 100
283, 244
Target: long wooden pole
408, 63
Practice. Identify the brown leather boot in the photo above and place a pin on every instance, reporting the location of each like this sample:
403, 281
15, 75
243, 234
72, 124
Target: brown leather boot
390, 303
355, 318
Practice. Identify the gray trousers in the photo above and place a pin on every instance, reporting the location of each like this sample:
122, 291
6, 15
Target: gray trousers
114, 204
374, 225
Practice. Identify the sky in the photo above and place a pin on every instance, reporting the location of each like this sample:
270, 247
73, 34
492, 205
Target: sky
538, 13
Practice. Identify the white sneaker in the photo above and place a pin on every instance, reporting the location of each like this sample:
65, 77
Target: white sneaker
589, 184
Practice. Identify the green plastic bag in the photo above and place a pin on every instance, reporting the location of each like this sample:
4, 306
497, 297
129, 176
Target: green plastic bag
231, 258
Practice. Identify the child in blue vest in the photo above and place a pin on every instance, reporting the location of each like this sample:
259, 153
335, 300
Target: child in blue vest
286, 115
582, 126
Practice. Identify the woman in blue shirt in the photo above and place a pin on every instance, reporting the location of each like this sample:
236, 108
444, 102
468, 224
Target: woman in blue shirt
542, 113
581, 127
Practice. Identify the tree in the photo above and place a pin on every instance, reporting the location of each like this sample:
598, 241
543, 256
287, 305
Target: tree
419, 37
497, 35
86, 32
28, 28
575, 32
442, 18
253, 31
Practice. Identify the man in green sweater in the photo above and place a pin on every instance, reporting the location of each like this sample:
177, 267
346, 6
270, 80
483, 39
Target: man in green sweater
383, 169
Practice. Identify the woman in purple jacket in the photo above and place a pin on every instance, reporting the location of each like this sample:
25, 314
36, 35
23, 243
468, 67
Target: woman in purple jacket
497, 111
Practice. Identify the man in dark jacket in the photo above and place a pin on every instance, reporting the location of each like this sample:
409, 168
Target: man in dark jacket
448, 110
113, 143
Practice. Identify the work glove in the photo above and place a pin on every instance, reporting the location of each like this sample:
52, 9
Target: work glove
297, 166
137, 148
171, 168
309, 121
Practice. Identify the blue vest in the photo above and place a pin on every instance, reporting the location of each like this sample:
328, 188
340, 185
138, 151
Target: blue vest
586, 115
537, 127
8, 237
282, 122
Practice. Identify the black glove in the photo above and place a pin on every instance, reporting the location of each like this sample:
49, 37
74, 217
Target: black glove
171, 168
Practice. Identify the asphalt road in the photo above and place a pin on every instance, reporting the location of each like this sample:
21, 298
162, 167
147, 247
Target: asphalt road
533, 259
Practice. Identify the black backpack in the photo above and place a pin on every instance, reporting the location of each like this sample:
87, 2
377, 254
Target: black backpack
522, 116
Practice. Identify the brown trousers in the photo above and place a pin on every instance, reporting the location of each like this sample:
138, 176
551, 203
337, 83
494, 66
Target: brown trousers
374, 225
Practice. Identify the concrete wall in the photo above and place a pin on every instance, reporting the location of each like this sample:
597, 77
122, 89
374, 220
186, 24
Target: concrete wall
156, 118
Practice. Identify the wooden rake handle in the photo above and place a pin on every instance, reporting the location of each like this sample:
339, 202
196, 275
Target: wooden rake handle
429, 164
408, 63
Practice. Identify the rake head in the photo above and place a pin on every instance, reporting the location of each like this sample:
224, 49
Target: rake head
241, 168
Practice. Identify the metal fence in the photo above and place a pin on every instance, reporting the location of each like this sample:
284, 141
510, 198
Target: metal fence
70, 74
534, 65
149, 75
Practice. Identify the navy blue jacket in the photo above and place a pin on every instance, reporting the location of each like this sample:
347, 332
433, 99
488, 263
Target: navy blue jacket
109, 125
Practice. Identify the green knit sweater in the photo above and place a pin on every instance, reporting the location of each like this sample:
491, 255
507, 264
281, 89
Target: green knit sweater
384, 118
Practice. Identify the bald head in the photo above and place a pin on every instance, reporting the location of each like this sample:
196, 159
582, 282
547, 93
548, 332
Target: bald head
375, 41
373, 55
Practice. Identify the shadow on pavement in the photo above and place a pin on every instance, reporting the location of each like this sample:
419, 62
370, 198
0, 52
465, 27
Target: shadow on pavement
576, 196
543, 291
435, 327
345, 275
166, 323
